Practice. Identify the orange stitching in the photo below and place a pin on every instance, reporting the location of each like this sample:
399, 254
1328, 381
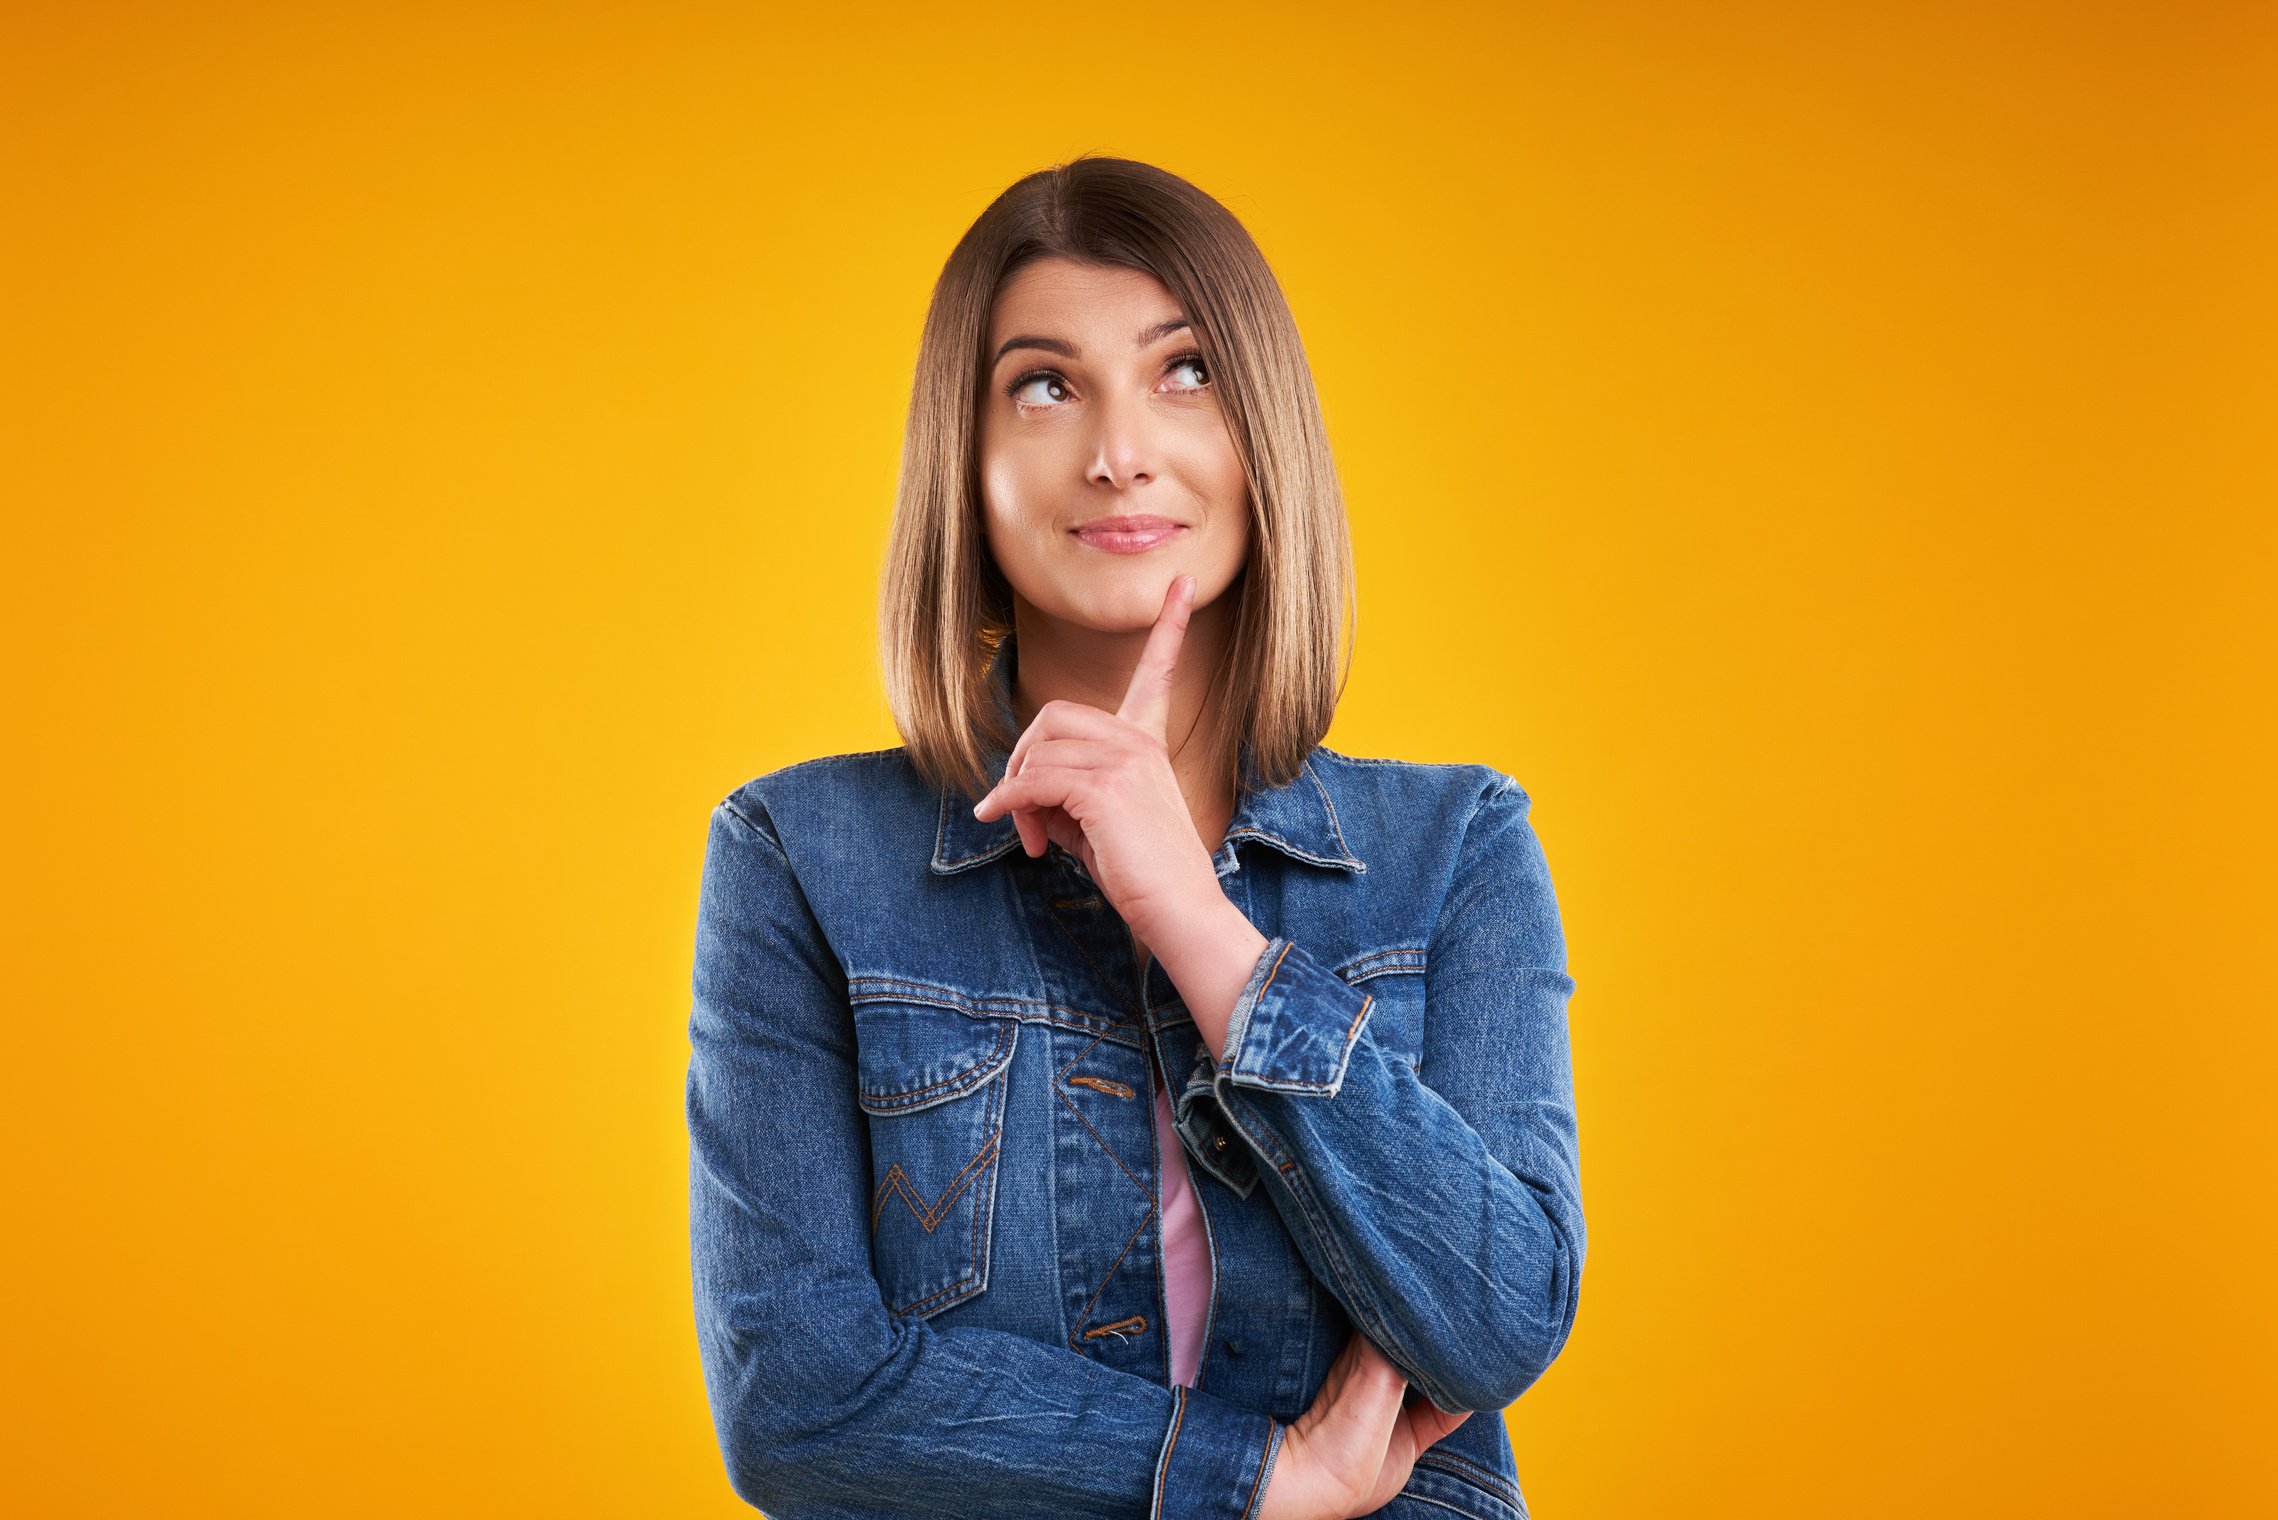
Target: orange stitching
1355, 1029
1104, 1084
1095, 965
1352, 969
897, 1180
966, 1077
980, 1216
1273, 1426
1464, 1467
1113, 1266
1144, 1191
974, 1007
1276, 971
1178, 1392
1332, 807
1097, 1036
1134, 1324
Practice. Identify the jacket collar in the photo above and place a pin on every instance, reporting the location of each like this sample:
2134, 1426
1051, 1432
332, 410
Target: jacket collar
1299, 819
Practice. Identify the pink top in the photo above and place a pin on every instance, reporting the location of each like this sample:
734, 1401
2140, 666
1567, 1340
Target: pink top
1186, 1250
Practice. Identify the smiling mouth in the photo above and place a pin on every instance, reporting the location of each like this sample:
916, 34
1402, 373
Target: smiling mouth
1128, 535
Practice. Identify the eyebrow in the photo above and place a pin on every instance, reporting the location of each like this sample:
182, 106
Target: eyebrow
1152, 335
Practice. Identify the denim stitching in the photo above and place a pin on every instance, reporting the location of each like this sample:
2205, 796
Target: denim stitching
1105, 980
1265, 1465
1270, 975
1163, 1465
1438, 1503
860, 754
1253, 831
1326, 1239
1144, 1191
1351, 970
1428, 765
1097, 1036
1479, 1476
973, 1175
1063, 1077
991, 1007
1113, 1267
1334, 827
984, 1069
1352, 1031
929, 1215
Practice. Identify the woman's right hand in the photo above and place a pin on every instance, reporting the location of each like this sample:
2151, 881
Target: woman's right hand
1353, 1450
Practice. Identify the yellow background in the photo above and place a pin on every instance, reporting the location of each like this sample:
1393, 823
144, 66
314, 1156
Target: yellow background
1824, 452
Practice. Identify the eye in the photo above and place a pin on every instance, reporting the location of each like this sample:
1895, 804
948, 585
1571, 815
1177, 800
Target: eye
1056, 383
1192, 360
1035, 377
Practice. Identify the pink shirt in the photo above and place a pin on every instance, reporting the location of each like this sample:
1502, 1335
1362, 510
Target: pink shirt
1186, 1250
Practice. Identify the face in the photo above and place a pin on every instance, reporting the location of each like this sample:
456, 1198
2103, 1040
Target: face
1099, 408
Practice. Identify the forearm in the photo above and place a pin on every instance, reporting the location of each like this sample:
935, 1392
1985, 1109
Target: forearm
1453, 1236
1209, 952
825, 1417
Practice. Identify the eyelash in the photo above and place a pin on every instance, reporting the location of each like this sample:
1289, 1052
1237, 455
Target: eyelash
1012, 388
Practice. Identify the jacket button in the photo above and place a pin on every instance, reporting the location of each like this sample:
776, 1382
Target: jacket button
1219, 1143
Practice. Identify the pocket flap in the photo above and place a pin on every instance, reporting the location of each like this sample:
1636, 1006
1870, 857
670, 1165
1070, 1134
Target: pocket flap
914, 1055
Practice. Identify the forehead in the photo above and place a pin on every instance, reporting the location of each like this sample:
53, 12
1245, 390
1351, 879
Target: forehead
1059, 293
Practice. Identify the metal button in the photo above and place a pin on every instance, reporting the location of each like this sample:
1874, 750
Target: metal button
1218, 1144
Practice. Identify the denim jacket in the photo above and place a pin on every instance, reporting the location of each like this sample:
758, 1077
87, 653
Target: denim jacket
924, 1180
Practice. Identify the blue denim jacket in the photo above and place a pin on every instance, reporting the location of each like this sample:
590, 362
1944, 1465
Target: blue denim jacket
924, 1191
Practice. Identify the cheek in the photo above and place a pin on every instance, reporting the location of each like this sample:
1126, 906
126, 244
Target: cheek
1015, 486
1230, 502
1222, 467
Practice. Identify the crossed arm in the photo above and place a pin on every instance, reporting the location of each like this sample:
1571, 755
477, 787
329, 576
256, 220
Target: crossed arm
1446, 1219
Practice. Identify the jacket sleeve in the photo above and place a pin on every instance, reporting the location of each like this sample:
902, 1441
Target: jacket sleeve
826, 1404
1446, 1219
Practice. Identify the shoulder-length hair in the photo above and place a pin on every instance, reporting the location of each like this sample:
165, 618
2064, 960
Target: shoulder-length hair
945, 606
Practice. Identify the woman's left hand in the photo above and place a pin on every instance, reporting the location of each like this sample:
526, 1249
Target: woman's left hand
1100, 785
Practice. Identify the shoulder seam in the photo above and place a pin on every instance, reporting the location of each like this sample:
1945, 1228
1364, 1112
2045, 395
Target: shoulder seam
765, 830
859, 754
1421, 765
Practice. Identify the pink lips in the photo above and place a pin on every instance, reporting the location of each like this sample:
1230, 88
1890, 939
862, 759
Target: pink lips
1127, 535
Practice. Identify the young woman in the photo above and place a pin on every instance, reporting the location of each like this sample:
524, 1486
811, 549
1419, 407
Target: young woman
1111, 1101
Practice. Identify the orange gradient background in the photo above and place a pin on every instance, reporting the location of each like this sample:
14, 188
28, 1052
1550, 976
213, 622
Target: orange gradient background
1825, 453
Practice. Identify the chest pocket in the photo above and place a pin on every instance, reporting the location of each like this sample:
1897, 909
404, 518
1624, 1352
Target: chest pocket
932, 1078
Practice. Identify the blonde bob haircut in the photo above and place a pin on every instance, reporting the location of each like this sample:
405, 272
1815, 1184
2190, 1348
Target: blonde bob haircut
945, 606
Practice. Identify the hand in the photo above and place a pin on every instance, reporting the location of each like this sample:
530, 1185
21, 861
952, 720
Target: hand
1354, 1449
1100, 785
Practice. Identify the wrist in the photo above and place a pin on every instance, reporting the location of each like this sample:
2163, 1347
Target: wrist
1295, 1491
1209, 954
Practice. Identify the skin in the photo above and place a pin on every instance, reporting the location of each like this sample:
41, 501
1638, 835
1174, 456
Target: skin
1113, 695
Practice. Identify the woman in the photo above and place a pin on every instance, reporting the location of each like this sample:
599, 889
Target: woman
1111, 1101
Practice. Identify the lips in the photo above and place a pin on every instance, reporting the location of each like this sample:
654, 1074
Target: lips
1128, 535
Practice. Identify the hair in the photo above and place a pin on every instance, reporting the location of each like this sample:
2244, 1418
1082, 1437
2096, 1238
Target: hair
945, 605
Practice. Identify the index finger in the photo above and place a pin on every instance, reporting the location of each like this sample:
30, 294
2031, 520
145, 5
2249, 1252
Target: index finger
1147, 702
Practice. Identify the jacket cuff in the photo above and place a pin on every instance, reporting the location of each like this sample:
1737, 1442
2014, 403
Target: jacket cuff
1294, 1026
1217, 1459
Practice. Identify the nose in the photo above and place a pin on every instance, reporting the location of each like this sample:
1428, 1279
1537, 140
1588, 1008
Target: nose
1123, 446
